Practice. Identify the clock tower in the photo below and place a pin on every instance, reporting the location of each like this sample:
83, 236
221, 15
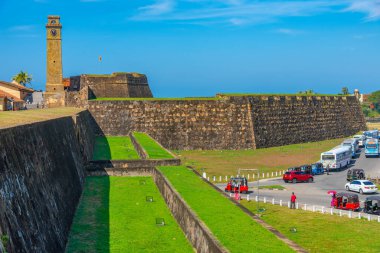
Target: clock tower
55, 94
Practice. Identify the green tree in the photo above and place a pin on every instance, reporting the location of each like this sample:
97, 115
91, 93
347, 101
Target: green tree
345, 91
22, 78
374, 97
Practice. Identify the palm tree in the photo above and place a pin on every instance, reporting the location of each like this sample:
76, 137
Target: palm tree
23, 78
345, 91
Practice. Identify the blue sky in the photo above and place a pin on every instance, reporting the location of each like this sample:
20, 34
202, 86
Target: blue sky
202, 47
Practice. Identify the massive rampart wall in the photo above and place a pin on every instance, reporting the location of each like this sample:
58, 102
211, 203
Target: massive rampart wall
41, 180
283, 120
179, 124
238, 122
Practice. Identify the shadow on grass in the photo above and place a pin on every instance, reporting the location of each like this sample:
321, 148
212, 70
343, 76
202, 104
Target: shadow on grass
90, 231
102, 150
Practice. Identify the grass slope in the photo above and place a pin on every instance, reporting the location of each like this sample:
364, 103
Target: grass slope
14, 118
154, 150
322, 233
227, 162
113, 216
114, 148
233, 228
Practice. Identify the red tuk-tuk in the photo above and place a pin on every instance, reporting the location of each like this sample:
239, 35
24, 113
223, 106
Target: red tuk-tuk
347, 201
237, 184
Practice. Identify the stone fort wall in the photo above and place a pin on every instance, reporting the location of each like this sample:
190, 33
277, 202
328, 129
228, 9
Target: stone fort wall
236, 122
179, 124
116, 85
41, 180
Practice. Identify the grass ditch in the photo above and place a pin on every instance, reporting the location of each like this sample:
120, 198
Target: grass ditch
273, 187
230, 225
114, 148
152, 148
322, 233
114, 216
227, 162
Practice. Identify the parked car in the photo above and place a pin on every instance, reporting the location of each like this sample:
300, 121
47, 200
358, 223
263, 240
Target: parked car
297, 176
361, 139
347, 201
317, 168
372, 205
361, 186
355, 174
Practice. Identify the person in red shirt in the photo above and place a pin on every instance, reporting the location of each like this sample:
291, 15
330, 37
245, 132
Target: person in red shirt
293, 201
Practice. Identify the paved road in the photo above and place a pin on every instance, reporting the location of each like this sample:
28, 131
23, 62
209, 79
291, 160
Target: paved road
316, 193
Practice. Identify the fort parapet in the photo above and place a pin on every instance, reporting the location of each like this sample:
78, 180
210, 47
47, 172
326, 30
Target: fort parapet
232, 122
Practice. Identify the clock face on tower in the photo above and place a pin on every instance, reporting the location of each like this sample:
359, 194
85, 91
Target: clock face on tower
53, 32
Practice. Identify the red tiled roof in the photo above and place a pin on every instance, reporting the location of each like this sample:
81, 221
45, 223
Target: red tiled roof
17, 85
66, 82
6, 94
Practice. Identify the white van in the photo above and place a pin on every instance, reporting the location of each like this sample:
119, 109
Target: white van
336, 158
360, 139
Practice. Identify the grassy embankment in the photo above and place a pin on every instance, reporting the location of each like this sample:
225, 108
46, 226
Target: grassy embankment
114, 148
153, 149
113, 216
14, 118
227, 162
233, 228
321, 233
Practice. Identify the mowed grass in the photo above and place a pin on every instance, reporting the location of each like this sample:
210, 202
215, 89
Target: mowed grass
227, 162
114, 148
14, 118
154, 150
322, 233
231, 226
373, 126
113, 216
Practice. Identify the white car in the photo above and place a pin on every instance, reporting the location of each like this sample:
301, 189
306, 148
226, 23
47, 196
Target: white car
361, 186
361, 139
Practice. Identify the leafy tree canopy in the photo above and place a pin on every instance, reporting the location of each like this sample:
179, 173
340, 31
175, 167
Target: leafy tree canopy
374, 97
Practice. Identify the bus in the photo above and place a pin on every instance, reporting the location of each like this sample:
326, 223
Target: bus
371, 134
337, 158
353, 143
372, 147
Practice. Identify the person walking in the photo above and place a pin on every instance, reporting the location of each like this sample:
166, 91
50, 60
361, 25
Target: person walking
293, 201
333, 199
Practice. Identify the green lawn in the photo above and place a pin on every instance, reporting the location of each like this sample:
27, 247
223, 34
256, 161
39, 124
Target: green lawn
114, 148
154, 150
113, 216
234, 229
14, 118
273, 187
227, 162
322, 232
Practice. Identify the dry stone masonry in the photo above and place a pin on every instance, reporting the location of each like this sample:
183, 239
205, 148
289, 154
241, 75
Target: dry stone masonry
232, 122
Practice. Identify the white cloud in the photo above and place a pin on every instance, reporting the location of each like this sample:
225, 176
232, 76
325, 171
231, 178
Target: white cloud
241, 12
369, 7
160, 7
289, 31
22, 28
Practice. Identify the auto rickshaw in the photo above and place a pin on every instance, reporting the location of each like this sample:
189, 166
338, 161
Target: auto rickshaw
372, 205
237, 184
347, 201
317, 169
355, 174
